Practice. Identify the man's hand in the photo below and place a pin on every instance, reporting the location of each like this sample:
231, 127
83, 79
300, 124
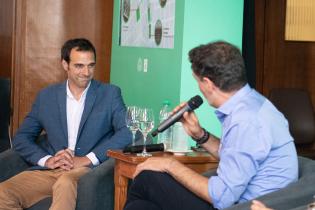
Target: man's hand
155, 164
62, 159
66, 160
257, 205
81, 161
190, 122
193, 181
192, 127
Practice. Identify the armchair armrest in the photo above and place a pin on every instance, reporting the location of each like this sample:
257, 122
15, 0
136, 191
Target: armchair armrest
96, 188
11, 164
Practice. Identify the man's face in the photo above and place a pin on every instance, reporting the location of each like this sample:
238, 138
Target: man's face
80, 68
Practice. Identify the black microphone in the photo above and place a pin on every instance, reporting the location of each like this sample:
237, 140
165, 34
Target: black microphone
191, 105
139, 148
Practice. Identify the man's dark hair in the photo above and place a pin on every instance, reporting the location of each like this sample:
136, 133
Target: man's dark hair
220, 62
79, 44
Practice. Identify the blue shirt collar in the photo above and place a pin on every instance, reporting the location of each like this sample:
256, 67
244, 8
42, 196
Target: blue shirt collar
226, 108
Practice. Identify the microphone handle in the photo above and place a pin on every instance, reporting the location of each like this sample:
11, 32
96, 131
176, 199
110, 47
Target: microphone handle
173, 119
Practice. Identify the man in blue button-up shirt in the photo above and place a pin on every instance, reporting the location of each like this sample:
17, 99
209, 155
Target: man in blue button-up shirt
256, 151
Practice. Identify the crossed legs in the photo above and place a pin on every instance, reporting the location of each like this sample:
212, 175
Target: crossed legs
155, 190
29, 187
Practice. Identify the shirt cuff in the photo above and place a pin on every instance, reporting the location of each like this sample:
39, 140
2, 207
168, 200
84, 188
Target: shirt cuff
212, 194
93, 158
43, 160
221, 195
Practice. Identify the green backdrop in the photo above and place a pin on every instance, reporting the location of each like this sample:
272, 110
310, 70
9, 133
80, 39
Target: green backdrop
169, 74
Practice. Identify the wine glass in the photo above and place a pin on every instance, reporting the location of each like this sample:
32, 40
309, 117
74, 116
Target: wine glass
132, 121
146, 119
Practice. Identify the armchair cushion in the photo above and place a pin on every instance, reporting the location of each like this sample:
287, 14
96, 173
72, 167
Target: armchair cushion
11, 164
96, 188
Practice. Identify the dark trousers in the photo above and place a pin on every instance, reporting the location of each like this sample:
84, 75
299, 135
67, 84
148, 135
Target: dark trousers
155, 191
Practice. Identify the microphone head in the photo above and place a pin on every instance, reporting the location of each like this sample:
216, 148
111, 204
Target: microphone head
154, 133
195, 102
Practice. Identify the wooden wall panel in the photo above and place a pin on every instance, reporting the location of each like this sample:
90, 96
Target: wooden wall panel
6, 33
285, 64
260, 41
94, 21
41, 29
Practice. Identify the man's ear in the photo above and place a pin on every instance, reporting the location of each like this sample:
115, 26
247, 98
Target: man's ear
65, 65
208, 83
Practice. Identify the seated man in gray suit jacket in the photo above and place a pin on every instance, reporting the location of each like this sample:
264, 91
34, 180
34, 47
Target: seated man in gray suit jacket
82, 118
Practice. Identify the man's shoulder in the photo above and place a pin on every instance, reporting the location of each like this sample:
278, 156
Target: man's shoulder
53, 88
248, 110
101, 86
248, 106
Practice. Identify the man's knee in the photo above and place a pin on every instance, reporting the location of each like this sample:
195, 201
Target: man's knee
68, 181
151, 176
7, 192
65, 182
145, 177
150, 180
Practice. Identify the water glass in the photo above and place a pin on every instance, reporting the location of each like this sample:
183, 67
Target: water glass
180, 140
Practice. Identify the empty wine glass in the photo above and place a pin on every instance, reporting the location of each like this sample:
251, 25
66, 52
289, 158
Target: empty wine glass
132, 121
146, 119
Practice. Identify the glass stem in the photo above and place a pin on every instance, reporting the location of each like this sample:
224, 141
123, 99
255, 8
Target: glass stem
133, 138
144, 143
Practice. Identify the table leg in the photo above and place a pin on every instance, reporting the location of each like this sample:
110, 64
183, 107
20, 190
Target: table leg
121, 185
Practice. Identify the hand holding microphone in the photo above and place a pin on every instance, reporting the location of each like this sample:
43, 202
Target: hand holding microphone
191, 105
178, 113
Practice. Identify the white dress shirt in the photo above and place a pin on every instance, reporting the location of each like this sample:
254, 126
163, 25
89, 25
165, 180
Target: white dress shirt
74, 114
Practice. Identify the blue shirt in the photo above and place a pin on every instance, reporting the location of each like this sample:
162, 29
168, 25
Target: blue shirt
257, 153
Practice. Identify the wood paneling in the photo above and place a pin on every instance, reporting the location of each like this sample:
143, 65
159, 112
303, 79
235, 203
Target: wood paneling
260, 38
41, 29
280, 63
6, 30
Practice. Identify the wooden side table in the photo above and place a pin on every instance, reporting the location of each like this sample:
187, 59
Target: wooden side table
125, 166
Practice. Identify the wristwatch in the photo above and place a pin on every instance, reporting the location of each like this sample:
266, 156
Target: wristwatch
204, 138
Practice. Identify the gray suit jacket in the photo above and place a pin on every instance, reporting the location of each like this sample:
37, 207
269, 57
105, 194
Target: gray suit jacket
102, 125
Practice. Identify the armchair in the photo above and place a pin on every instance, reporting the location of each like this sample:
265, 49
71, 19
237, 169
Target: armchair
95, 189
296, 105
5, 112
